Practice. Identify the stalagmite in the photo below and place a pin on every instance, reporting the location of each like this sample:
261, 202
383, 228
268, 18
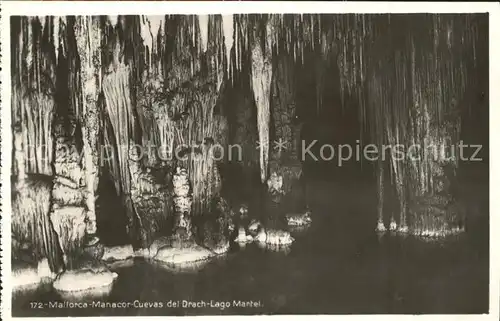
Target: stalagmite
19, 157
380, 208
182, 202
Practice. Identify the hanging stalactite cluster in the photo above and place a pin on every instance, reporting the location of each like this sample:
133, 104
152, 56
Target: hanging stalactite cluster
33, 91
158, 80
432, 67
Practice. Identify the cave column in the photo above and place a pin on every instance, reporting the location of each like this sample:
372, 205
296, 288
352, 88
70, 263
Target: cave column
433, 209
262, 72
116, 91
88, 37
285, 163
273, 90
199, 125
178, 105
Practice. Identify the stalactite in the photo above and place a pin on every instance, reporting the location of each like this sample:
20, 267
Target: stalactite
113, 20
261, 86
147, 38
244, 39
33, 95
38, 111
425, 68
29, 48
30, 219
55, 35
203, 23
162, 34
228, 29
153, 119
237, 44
151, 27
116, 91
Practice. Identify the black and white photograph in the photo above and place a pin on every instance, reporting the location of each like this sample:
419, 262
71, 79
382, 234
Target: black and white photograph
247, 164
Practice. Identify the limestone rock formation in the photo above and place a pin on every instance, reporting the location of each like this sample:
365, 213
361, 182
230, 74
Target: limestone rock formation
85, 283
150, 196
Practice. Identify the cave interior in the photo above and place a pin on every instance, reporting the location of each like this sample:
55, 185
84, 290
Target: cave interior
90, 93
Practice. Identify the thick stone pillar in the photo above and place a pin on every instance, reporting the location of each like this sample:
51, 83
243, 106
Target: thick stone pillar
433, 208
284, 183
88, 38
151, 199
68, 212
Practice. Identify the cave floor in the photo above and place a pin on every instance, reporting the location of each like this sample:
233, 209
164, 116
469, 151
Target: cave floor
338, 266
